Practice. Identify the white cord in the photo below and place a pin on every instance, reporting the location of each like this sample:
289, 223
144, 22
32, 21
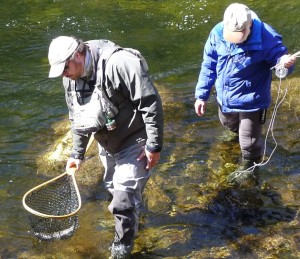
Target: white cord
281, 72
277, 104
272, 121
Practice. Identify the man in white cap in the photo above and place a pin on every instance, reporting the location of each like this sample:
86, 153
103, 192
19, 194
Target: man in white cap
238, 56
109, 94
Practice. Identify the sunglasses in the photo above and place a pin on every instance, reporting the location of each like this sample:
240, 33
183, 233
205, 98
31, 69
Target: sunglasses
68, 61
67, 65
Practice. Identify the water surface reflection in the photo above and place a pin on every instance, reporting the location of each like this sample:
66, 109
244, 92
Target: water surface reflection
191, 212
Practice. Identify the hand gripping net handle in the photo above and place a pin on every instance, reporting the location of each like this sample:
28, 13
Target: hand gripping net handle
47, 197
35, 195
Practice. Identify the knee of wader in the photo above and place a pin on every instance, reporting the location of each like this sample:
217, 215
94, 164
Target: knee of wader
121, 201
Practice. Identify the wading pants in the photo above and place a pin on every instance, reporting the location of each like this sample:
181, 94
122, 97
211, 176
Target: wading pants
125, 179
248, 125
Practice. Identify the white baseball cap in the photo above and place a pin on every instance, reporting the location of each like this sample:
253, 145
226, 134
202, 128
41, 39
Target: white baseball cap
237, 17
60, 49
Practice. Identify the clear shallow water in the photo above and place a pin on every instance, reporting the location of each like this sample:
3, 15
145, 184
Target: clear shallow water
191, 212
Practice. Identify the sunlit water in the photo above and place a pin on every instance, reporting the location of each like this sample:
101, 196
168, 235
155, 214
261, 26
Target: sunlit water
191, 212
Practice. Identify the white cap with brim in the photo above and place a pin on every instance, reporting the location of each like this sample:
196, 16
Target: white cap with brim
237, 18
60, 49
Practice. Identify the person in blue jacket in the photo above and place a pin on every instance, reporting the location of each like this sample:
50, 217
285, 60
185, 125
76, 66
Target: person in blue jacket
238, 56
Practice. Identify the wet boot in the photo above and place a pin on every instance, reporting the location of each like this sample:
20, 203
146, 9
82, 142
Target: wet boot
246, 175
120, 250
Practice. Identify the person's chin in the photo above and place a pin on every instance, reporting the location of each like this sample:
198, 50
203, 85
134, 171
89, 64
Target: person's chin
74, 77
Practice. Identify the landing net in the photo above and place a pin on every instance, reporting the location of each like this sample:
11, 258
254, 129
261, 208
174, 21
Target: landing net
53, 206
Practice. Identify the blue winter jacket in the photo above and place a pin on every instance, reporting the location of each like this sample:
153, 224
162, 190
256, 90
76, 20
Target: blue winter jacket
240, 72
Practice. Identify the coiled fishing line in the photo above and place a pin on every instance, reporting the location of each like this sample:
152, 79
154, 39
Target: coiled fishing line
270, 130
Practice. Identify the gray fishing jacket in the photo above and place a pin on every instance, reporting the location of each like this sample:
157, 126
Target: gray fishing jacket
128, 86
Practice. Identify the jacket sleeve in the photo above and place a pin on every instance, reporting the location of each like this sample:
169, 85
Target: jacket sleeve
128, 75
80, 142
207, 75
277, 49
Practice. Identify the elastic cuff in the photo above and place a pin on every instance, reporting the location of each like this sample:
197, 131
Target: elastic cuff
77, 156
153, 149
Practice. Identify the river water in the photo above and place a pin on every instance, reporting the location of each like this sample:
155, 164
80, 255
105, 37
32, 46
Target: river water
191, 212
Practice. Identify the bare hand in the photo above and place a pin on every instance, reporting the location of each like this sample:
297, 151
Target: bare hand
152, 158
72, 162
287, 60
200, 107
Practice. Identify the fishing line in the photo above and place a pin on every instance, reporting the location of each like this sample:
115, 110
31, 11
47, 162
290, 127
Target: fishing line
269, 131
281, 72
272, 121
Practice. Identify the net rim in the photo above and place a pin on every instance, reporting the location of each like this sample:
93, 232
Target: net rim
70, 172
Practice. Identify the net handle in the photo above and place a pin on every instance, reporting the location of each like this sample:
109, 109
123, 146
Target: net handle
91, 140
71, 172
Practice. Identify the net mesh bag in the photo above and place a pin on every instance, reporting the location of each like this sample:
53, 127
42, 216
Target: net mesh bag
53, 207
53, 228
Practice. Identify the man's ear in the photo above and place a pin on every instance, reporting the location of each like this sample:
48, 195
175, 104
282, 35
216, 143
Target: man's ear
79, 56
76, 54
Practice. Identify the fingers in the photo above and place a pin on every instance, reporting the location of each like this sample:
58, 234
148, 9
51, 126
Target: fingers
200, 107
290, 62
151, 165
141, 156
287, 60
72, 162
152, 158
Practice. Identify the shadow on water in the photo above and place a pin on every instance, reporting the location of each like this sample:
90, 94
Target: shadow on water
211, 220
229, 226
191, 212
